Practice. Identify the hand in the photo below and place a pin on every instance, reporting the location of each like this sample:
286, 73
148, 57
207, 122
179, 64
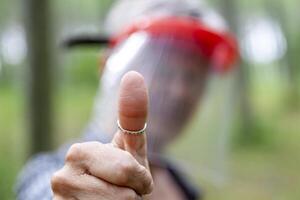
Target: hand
114, 171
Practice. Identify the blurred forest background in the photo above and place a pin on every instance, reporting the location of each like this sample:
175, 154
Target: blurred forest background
244, 145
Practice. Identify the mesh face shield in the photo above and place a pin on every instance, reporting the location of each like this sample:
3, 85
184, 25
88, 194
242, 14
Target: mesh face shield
175, 56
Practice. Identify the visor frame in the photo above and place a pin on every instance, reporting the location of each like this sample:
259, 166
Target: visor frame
220, 48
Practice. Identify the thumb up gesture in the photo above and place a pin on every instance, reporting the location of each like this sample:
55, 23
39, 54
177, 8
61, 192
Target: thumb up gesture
118, 170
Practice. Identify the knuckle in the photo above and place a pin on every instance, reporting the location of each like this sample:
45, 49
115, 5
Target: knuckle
127, 168
147, 183
59, 180
75, 153
130, 195
148, 186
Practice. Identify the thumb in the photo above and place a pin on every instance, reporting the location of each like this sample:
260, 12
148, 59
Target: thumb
133, 108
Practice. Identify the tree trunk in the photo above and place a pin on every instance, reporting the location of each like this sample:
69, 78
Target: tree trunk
40, 74
278, 11
230, 12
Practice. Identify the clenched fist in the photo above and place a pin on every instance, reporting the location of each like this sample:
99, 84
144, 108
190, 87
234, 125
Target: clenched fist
114, 171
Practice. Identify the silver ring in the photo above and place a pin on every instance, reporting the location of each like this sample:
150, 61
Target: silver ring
139, 132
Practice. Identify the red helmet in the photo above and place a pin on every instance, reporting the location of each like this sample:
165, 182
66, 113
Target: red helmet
219, 47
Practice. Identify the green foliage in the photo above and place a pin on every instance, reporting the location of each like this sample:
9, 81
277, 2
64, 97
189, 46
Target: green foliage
82, 68
255, 134
12, 143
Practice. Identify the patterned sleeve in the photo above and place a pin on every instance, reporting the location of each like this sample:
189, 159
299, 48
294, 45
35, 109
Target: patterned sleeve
34, 180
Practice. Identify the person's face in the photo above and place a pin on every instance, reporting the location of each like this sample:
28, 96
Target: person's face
175, 74
174, 93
